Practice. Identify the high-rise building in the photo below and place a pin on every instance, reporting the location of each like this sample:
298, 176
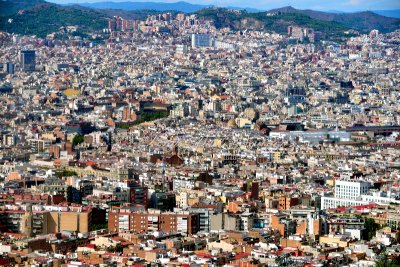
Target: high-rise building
112, 25
129, 25
115, 24
8, 68
28, 60
201, 40
119, 21
299, 33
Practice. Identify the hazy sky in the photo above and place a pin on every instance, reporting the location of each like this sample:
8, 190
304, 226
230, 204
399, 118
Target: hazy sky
342, 5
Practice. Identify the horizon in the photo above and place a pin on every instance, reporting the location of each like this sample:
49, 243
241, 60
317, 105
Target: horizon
335, 5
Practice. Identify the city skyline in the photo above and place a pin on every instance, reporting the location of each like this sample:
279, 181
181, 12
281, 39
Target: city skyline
176, 134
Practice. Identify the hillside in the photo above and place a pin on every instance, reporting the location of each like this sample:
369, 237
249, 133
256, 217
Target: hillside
44, 18
9, 7
37, 17
41, 18
361, 21
263, 21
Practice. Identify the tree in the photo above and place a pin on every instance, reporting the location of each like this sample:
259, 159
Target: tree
119, 248
95, 227
144, 117
371, 226
115, 249
78, 139
384, 261
65, 173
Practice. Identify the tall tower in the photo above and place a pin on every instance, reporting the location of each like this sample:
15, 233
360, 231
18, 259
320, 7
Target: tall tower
28, 60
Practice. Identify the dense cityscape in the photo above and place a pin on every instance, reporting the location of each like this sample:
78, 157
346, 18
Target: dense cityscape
169, 141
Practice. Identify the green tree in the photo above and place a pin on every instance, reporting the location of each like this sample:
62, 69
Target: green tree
371, 226
78, 139
95, 227
65, 173
118, 248
144, 117
384, 261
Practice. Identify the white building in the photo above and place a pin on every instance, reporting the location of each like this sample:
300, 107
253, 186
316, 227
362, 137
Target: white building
183, 183
181, 49
346, 189
332, 202
201, 40
224, 45
355, 193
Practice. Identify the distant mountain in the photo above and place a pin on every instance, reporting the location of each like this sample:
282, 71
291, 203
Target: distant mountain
395, 13
129, 6
180, 6
335, 11
362, 21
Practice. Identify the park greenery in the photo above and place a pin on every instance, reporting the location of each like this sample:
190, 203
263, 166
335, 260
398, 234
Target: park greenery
65, 173
261, 20
144, 117
78, 139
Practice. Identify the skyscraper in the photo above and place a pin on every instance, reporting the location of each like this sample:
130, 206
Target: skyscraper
28, 60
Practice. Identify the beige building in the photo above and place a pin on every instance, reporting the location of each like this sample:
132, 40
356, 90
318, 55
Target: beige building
335, 240
117, 173
221, 245
68, 221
